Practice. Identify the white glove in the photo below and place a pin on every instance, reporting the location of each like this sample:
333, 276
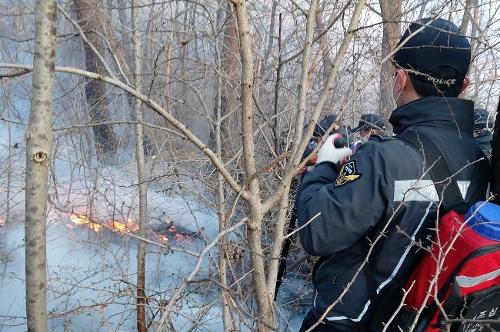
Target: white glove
328, 151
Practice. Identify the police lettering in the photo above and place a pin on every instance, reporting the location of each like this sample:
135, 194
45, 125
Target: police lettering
449, 82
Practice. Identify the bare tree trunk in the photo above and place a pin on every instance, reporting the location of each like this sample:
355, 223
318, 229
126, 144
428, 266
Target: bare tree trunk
215, 137
422, 10
9, 174
143, 200
38, 150
323, 45
88, 13
269, 47
230, 65
254, 224
391, 16
219, 44
304, 84
279, 227
125, 40
466, 18
263, 297
226, 313
276, 130
298, 143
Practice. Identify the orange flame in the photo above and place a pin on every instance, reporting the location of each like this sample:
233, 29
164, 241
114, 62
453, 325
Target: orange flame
182, 238
119, 226
132, 226
128, 226
2, 222
95, 227
81, 219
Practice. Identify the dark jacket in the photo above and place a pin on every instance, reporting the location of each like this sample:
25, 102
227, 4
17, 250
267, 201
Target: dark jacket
377, 186
484, 142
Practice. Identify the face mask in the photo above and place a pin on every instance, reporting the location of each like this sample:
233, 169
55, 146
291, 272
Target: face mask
394, 87
363, 139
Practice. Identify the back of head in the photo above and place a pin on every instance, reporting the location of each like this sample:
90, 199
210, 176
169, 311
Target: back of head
436, 56
324, 124
370, 121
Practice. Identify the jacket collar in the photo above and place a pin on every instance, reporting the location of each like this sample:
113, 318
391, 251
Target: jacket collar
451, 113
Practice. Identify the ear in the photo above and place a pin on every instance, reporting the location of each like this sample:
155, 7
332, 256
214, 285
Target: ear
401, 78
465, 84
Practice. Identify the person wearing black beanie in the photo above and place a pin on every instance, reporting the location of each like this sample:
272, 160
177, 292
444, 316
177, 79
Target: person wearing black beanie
365, 219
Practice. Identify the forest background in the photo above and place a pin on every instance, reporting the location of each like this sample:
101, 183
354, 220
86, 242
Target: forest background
176, 128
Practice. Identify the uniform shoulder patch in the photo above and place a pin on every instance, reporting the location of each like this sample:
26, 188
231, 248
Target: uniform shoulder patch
348, 173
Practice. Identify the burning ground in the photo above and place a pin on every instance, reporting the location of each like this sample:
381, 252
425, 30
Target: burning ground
91, 280
91, 253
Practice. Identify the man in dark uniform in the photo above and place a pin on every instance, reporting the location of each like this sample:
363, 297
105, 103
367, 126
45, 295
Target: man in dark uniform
369, 127
343, 212
370, 124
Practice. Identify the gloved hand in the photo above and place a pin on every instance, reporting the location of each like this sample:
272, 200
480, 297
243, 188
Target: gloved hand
328, 151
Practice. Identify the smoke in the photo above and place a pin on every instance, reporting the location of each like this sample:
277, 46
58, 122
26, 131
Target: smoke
91, 282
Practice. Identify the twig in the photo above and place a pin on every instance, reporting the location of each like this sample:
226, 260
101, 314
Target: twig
301, 227
157, 108
195, 271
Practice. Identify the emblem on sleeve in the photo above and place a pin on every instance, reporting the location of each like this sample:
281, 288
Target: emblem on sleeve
347, 174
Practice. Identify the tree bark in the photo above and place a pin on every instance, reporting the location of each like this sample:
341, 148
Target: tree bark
89, 14
216, 142
276, 127
219, 44
143, 200
467, 17
263, 297
229, 99
324, 45
391, 17
272, 269
9, 172
38, 151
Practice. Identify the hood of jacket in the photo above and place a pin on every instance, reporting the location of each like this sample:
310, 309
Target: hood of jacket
434, 111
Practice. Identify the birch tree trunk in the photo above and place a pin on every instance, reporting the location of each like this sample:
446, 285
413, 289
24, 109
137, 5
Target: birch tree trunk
38, 150
391, 16
139, 150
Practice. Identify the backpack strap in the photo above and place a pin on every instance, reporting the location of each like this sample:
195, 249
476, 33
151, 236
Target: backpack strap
439, 170
477, 191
